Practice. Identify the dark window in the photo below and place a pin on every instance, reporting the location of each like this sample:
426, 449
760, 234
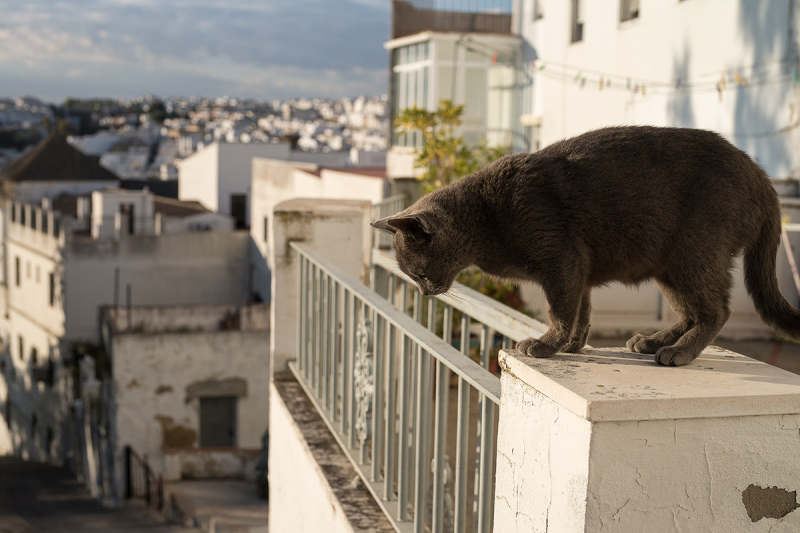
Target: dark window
266, 229
22, 215
52, 289
13, 212
8, 412
629, 9
127, 211
17, 271
218, 421
239, 210
577, 21
34, 356
21, 348
49, 445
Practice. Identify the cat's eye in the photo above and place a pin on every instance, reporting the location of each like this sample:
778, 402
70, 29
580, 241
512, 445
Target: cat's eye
422, 277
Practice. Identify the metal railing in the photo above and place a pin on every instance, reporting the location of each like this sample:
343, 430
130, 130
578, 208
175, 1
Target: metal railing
141, 481
381, 380
111, 227
390, 206
465, 16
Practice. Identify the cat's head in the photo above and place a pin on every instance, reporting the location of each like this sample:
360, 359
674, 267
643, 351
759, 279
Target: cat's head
423, 250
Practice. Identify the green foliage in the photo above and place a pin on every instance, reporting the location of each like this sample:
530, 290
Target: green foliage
443, 156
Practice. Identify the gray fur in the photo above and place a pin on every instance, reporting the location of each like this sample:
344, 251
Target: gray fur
623, 204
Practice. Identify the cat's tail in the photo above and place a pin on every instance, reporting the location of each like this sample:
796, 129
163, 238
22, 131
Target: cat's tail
761, 281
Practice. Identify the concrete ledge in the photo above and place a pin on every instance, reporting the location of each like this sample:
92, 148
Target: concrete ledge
310, 478
612, 384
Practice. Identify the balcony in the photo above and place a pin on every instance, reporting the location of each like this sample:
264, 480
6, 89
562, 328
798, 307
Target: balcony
476, 16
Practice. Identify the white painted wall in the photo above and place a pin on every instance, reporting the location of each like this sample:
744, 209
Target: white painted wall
28, 315
609, 441
153, 373
198, 223
295, 476
694, 41
170, 269
198, 177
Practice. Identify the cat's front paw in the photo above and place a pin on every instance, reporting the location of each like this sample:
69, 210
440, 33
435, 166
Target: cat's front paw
535, 348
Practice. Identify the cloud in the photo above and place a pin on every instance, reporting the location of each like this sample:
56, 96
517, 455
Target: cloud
314, 47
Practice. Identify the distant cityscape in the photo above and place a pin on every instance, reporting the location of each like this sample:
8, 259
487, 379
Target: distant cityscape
143, 138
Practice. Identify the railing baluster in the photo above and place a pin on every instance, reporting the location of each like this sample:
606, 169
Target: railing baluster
403, 376
316, 325
389, 440
440, 444
377, 396
423, 429
301, 312
485, 496
308, 331
351, 408
462, 439
347, 369
324, 354
335, 352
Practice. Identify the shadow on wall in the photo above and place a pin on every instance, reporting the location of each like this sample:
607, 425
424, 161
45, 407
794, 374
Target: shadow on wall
679, 108
762, 120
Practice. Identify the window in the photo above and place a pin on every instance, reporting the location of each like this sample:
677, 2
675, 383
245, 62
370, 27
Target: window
218, 421
239, 210
577, 21
629, 10
52, 289
17, 271
34, 356
21, 348
538, 9
38, 273
266, 229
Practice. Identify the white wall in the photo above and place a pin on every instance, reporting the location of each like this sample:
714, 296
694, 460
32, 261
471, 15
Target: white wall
200, 222
170, 269
153, 374
275, 181
27, 314
695, 41
297, 477
236, 169
198, 175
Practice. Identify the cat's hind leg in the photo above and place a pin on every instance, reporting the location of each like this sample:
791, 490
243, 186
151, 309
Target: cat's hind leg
707, 294
650, 344
582, 326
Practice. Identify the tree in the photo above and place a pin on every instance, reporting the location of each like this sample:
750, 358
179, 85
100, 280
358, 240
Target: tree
443, 156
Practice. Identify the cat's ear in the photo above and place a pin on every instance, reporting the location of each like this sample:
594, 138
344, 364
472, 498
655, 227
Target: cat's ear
383, 225
415, 225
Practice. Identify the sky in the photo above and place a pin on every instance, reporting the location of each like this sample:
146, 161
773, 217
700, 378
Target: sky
265, 49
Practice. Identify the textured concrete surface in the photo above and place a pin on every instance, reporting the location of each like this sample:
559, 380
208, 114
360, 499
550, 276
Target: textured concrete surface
46, 499
618, 443
785, 355
221, 505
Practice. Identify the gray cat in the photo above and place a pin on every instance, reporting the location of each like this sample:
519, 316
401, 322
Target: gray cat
624, 204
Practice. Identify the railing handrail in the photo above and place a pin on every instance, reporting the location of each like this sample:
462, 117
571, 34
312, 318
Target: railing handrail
501, 318
484, 381
389, 200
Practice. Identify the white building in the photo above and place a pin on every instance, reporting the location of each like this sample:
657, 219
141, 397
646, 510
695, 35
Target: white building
275, 181
55, 279
218, 176
730, 67
180, 402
